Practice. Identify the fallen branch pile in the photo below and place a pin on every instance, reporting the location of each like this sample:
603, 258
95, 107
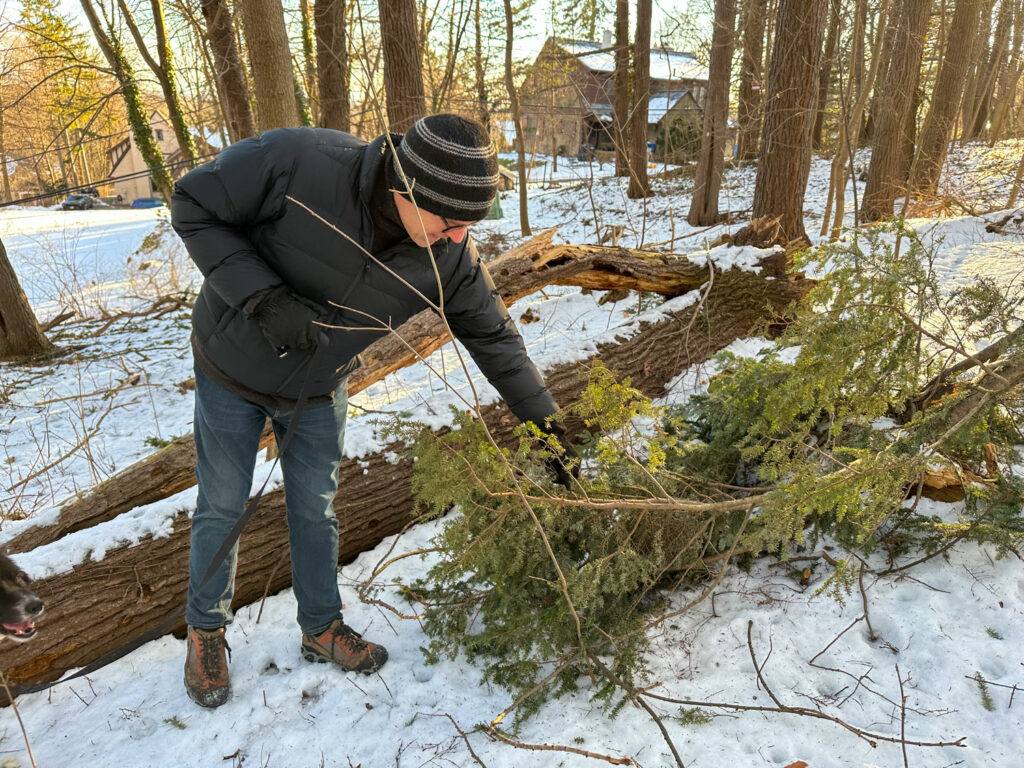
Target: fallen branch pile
98, 606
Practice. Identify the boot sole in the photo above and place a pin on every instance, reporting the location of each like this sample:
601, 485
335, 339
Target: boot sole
214, 700
316, 658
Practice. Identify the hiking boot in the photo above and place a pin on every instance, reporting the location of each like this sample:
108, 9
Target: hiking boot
206, 667
345, 647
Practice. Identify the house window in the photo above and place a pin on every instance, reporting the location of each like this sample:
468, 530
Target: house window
531, 125
159, 134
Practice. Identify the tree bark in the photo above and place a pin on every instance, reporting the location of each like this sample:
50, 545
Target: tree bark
639, 186
332, 63
517, 121
228, 69
98, 606
272, 76
990, 67
20, 335
403, 76
518, 273
785, 159
620, 99
893, 106
708, 181
749, 98
938, 127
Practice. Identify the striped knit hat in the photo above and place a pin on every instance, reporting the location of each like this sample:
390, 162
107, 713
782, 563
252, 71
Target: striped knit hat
451, 166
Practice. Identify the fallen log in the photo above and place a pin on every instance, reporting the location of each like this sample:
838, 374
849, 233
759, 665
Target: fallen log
518, 273
98, 606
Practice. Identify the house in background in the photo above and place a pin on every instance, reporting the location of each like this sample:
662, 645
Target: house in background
568, 94
128, 170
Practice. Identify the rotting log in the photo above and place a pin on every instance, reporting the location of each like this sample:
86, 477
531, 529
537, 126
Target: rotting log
98, 606
520, 272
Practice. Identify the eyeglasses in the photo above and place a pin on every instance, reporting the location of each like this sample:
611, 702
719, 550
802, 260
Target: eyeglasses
449, 227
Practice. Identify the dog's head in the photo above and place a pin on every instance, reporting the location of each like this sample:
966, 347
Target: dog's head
19, 605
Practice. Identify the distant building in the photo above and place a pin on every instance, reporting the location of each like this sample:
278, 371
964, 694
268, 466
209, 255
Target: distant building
568, 94
128, 170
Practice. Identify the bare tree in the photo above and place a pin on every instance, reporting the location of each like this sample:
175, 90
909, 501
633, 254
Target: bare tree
138, 118
750, 90
483, 103
403, 76
938, 127
1006, 92
986, 67
639, 186
272, 75
228, 69
704, 203
4, 174
825, 72
894, 103
164, 71
620, 99
333, 68
20, 335
517, 120
785, 160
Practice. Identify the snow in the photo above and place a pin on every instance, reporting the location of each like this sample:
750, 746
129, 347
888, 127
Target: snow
942, 624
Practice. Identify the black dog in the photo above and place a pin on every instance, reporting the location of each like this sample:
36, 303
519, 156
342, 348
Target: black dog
19, 605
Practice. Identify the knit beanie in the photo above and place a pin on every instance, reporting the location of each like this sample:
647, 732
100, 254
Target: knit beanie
451, 166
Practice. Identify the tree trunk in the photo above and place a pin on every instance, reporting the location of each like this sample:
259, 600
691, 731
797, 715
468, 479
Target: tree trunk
785, 160
522, 271
851, 125
517, 121
708, 181
639, 186
403, 76
272, 76
138, 117
938, 127
309, 62
751, 83
164, 72
991, 65
1006, 92
228, 64
98, 606
825, 75
4, 175
483, 109
885, 174
333, 63
976, 73
20, 335
620, 99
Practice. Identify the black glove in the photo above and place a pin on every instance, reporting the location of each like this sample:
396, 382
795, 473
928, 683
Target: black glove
285, 318
564, 467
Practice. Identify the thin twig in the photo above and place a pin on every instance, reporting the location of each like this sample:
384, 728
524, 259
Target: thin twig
903, 718
14, 706
504, 737
635, 695
465, 738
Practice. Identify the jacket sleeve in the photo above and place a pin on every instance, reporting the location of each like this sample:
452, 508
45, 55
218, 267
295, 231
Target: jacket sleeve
214, 206
478, 318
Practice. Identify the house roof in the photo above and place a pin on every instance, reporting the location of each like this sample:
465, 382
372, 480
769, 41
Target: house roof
666, 64
660, 103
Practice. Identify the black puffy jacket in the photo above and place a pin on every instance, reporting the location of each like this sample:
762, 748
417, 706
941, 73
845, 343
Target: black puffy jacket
241, 224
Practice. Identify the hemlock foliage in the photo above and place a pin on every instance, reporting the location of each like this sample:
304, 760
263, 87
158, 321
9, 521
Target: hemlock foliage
830, 431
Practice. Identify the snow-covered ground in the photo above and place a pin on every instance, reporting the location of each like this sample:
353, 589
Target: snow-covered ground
115, 398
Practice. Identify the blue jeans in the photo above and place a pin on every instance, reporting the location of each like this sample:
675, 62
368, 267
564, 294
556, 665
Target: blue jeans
227, 431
